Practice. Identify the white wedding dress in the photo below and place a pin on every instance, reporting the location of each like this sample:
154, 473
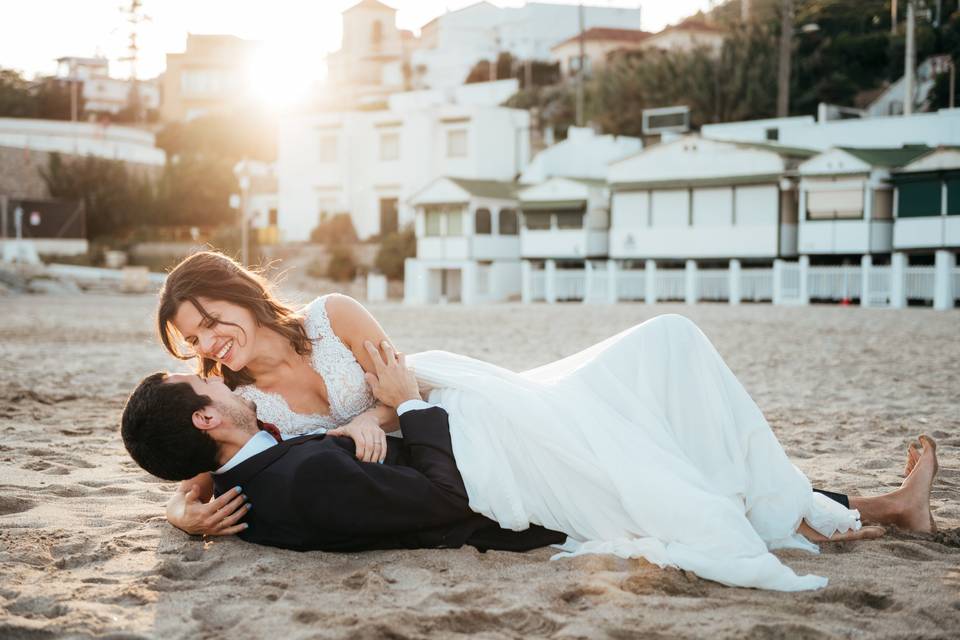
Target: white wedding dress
644, 445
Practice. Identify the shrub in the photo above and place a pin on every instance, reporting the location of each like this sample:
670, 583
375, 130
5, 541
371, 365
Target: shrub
338, 230
394, 249
342, 266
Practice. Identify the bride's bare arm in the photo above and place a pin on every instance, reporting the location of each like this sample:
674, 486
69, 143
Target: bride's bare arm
191, 509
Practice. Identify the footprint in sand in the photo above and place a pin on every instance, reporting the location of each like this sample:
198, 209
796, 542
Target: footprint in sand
10, 504
856, 599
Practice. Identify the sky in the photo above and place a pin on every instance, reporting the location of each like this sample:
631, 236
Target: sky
296, 34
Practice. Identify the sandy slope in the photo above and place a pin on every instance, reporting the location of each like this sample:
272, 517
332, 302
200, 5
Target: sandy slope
84, 550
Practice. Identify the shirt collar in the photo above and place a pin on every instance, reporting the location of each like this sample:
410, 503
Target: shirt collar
258, 443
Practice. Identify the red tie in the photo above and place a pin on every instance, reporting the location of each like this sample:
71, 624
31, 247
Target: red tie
271, 429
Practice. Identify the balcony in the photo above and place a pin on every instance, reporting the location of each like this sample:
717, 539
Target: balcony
564, 243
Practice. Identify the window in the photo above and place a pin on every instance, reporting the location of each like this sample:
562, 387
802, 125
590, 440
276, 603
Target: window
535, 221
457, 143
389, 146
918, 198
953, 197
844, 204
272, 217
509, 222
376, 33
328, 148
773, 133
388, 216
483, 223
570, 219
454, 222
433, 222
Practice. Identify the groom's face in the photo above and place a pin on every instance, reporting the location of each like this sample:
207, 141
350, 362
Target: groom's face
241, 412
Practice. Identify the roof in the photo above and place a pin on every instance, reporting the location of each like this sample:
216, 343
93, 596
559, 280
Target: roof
608, 34
487, 188
369, 4
782, 149
888, 157
694, 23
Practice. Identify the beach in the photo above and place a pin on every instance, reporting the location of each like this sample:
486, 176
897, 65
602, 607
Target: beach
86, 552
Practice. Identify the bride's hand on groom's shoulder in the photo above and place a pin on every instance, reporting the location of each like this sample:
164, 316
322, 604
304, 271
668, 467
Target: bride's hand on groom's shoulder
369, 437
393, 383
220, 517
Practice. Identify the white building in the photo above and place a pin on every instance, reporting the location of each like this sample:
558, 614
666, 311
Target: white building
928, 202
82, 138
468, 247
451, 44
369, 163
846, 200
694, 198
102, 93
932, 129
582, 154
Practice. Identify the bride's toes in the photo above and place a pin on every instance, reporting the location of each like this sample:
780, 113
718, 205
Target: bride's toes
864, 533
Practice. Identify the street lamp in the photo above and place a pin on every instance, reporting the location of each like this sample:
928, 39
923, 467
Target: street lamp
242, 171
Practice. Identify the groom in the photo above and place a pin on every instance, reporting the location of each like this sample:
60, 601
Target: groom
311, 492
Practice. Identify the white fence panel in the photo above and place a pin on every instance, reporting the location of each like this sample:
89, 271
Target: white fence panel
671, 284
790, 283
631, 284
834, 283
880, 285
538, 287
919, 282
571, 284
756, 284
956, 283
713, 284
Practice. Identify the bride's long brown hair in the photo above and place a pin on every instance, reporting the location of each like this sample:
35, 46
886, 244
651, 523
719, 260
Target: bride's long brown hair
212, 275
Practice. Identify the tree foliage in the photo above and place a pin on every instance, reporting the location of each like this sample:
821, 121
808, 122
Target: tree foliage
47, 98
335, 231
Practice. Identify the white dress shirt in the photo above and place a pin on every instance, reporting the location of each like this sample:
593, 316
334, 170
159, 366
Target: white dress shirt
261, 441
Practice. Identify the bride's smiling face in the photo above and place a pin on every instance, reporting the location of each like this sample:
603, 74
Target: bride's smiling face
217, 330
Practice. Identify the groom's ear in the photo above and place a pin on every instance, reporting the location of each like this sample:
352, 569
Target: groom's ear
207, 418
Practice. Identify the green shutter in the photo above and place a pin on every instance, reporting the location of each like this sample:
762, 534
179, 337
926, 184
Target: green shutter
918, 198
953, 197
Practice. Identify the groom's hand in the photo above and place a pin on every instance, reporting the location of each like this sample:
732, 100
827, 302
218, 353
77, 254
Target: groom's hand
393, 383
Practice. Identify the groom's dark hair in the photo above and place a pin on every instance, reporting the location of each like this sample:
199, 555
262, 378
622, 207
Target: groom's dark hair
158, 432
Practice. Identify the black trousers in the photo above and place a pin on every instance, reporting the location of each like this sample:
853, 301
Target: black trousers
836, 497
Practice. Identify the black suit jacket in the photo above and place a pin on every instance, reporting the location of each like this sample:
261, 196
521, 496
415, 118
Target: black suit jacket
312, 493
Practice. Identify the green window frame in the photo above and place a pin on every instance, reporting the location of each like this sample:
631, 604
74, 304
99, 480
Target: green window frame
953, 196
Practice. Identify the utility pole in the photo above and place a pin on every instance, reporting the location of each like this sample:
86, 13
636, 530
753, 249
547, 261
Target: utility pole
786, 51
893, 17
745, 10
135, 17
911, 60
580, 68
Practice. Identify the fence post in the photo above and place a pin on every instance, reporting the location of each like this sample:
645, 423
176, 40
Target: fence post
690, 288
898, 275
587, 281
650, 284
866, 263
550, 281
612, 273
526, 282
945, 262
734, 286
777, 281
804, 279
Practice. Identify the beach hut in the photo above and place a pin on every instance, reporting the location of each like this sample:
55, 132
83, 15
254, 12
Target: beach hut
565, 224
846, 200
468, 242
927, 225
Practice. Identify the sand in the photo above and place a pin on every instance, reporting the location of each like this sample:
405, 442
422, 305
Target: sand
86, 552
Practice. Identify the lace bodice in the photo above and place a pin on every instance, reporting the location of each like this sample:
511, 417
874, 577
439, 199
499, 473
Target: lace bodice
348, 393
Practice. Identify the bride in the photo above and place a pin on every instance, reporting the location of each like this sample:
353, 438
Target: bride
644, 445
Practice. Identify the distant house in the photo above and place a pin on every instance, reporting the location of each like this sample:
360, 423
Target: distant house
565, 219
846, 200
598, 43
468, 245
690, 34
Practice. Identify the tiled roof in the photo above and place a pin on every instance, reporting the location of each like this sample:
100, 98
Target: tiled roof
608, 34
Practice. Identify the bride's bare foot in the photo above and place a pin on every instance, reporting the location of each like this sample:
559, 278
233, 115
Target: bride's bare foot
864, 533
913, 496
913, 456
